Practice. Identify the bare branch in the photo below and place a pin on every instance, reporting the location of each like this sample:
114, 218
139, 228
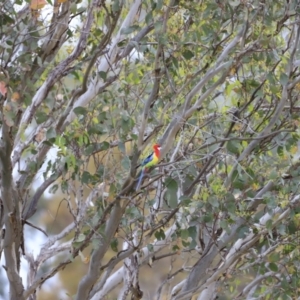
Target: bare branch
57, 72
118, 276
13, 237
92, 276
157, 76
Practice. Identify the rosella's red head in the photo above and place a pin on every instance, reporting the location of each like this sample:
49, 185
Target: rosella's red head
156, 148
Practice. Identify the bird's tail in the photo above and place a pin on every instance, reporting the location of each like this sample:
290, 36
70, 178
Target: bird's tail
140, 179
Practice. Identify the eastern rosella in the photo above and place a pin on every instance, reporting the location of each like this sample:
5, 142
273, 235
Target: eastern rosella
149, 161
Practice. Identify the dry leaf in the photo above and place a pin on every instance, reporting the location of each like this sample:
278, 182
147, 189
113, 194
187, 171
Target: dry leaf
87, 259
40, 135
7, 107
8, 117
9, 122
84, 259
3, 88
59, 97
15, 97
37, 4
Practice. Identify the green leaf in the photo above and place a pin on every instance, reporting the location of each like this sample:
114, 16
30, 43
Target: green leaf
86, 177
185, 201
33, 151
96, 243
150, 248
51, 133
274, 257
103, 146
234, 3
171, 193
288, 249
273, 267
231, 207
185, 244
100, 171
274, 174
274, 88
73, 8
116, 6
175, 62
6, 19
53, 189
41, 117
159, 4
229, 197
102, 75
184, 234
284, 79
235, 175
207, 218
160, 235
224, 224
232, 146
158, 27
149, 18
130, 29
243, 231
114, 245
121, 147
124, 42
187, 54
238, 184
126, 163
214, 201
80, 238
292, 228
271, 78
280, 150
79, 110
127, 124
175, 248
269, 224
192, 232
112, 189
32, 166
133, 212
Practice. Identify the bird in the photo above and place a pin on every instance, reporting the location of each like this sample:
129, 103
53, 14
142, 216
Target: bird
148, 162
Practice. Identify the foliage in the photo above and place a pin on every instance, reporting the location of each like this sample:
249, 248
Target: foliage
87, 87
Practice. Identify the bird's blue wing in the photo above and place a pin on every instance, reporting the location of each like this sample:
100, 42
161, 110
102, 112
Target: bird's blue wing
144, 162
147, 159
